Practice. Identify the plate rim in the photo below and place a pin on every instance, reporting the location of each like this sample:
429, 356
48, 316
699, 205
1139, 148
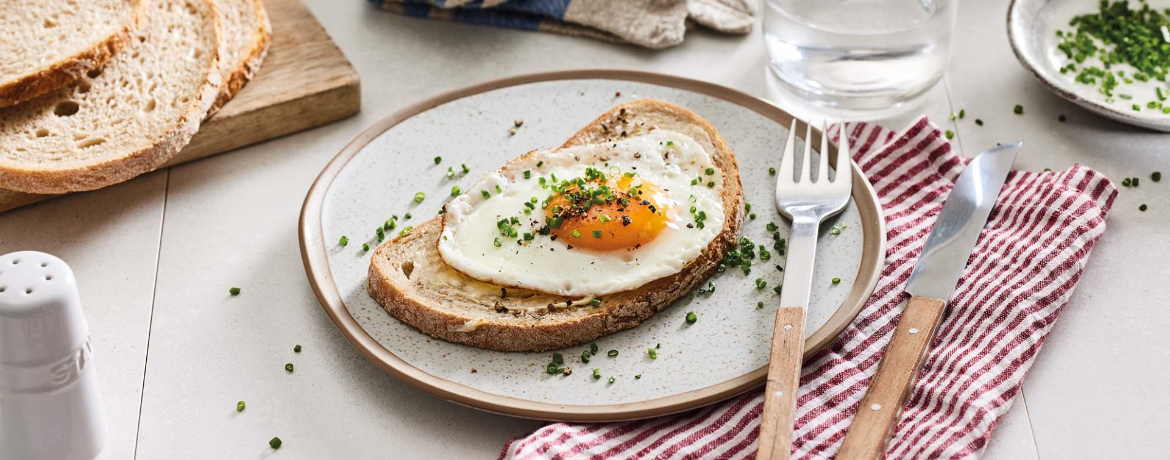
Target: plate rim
315, 259
1015, 40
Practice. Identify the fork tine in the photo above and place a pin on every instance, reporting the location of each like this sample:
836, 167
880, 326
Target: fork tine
786, 162
823, 167
804, 163
842, 158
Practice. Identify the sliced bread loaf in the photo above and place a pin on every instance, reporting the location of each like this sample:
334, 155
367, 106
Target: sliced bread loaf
408, 277
248, 33
45, 45
126, 118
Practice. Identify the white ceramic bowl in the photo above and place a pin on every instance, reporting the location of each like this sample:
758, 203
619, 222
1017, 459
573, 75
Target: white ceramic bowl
1032, 26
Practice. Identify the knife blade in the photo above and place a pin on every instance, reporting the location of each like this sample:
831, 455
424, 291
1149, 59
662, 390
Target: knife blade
962, 218
931, 284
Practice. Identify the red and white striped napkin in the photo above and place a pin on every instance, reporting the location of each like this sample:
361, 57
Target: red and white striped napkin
1021, 274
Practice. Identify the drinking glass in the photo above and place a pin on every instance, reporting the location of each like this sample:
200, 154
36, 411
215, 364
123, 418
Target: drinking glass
858, 55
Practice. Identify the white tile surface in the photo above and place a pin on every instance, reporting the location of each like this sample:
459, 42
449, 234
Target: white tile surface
1012, 437
231, 220
110, 240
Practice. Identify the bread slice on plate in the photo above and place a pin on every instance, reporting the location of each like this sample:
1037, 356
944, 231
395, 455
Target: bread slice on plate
409, 278
124, 119
248, 33
45, 45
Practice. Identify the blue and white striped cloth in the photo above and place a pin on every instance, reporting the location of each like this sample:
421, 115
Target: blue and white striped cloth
648, 23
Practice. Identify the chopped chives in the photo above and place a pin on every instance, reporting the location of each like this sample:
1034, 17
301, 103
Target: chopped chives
760, 304
950, 134
288, 367
596, 373
1143, 207
1156, 176
438, 160
691, 318
419, 197
343, 241
710, 171
485, 194
366, 247
275, 442
979, 122
497, 243
465, 168
575, 234
456, 190
297, 348
595, 302
234, 291
612, 379
240, 406
761, 283
1018, 109
612, 353
652, 353
771, 171
836, 281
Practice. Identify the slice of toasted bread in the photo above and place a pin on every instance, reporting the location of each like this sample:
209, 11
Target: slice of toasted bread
45, 45
248, 33
125, 119
409, 278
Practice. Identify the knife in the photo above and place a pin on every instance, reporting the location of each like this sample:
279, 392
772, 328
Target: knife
931, 284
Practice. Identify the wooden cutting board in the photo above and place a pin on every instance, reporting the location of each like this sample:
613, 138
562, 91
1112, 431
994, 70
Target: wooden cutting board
304, 82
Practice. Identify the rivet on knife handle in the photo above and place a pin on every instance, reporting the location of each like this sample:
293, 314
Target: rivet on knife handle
882, 405
782, 386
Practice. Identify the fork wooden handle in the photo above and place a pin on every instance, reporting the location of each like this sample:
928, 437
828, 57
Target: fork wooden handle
783, 383
882, 404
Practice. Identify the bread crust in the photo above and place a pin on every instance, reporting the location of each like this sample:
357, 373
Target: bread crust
243, 73
58, 74
409, 301
146, 159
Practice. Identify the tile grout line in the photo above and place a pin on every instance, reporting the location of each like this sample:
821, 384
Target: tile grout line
958, 140
153, 301
1028, 416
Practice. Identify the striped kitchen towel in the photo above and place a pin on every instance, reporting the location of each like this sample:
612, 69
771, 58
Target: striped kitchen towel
1019, 278
648, 23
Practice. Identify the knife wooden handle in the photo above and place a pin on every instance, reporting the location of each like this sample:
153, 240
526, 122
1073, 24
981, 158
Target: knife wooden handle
783, 383
879, 410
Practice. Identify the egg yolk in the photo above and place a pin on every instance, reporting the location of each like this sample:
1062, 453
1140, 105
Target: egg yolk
633, 216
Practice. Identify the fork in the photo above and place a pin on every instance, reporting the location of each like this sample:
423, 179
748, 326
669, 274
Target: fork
807, 204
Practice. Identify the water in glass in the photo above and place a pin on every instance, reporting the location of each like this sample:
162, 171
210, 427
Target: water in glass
859, 54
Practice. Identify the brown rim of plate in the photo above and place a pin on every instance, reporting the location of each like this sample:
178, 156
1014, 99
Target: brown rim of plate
314, 256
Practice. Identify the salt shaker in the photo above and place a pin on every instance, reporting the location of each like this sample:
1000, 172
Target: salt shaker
50, 404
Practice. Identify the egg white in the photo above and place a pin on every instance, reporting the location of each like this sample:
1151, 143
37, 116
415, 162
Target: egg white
667, 159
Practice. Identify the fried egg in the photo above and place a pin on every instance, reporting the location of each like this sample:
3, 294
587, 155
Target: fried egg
589, 220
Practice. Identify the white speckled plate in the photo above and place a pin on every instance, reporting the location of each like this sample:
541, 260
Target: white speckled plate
1032, 26
720, 356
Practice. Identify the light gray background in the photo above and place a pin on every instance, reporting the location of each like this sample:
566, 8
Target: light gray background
155, 256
